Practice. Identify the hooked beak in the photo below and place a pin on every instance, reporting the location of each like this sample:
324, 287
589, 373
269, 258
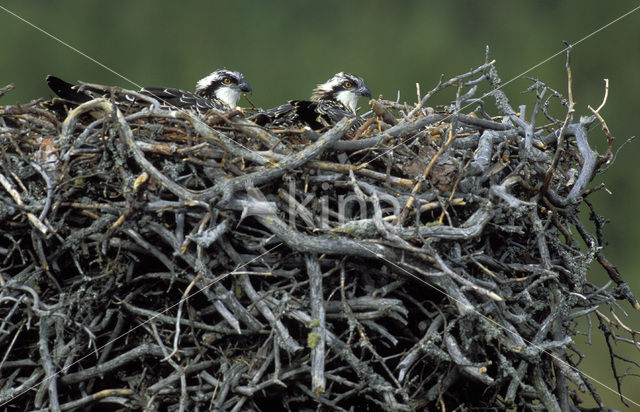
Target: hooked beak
364, 91
245, 87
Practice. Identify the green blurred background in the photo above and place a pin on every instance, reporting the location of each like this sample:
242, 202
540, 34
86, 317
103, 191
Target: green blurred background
284, 48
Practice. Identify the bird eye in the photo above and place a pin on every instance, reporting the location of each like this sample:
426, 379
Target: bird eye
226, 80
348, 84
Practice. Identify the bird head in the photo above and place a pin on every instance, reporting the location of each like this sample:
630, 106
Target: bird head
345, 88
223, 84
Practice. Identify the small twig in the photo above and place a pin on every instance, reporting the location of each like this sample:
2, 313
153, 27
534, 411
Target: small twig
17, 199
47, 363
316, 337
4, 90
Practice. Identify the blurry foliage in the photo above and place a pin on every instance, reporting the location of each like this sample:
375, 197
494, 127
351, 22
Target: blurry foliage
286, 47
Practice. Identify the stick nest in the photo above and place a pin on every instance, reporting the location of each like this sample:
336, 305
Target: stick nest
436, 258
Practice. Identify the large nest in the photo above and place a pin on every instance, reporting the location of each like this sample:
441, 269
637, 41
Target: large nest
154, 259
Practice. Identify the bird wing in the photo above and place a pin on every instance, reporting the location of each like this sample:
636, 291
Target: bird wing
312, 113
322, 113
182, 99
70, 91
283, 115
85, 92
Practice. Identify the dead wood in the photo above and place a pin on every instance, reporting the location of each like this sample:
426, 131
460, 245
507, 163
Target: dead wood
151, 259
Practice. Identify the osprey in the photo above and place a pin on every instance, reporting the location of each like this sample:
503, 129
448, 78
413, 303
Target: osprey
330, 102
219, 90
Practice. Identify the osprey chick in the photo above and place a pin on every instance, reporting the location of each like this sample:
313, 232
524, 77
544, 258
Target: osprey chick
330, 102
219, 90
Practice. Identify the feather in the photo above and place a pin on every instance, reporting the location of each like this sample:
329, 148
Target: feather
330, 102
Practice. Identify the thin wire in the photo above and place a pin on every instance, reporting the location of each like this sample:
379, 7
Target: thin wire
371, 251
166, 103
565, 49
104, 66
408, 141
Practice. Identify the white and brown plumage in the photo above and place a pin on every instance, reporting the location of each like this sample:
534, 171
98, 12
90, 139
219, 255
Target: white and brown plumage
330, 102
219, 90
